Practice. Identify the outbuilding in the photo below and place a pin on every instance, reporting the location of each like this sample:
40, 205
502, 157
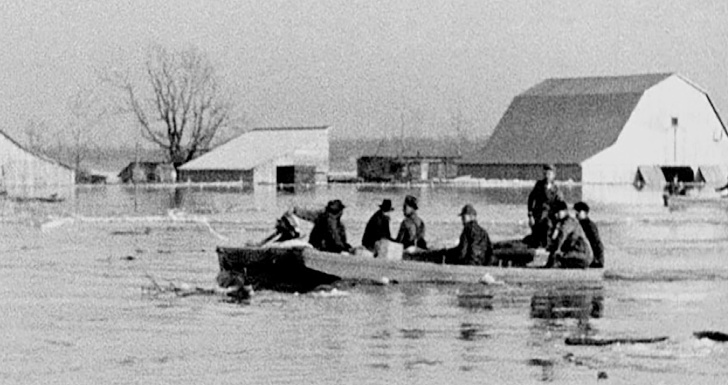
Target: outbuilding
280, 155
21, 168
619, 129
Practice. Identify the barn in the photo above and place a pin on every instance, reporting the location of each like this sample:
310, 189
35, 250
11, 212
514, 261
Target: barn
619, 129
280, 155
21, 169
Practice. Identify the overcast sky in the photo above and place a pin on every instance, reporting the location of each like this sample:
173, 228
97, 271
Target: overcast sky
359, 65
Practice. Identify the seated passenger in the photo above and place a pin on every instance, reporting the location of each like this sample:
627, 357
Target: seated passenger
474, 247
412, 230
592, 234
328, 233
378, 227
570, 248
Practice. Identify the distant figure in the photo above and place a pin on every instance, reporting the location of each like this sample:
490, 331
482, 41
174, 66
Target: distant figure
474, 247
412, 230
540, 202
378, 227
674, 187
592, 234
570, 248
286, 229
328, 233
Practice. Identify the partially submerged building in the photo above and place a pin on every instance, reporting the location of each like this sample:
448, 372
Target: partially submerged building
20, 168
148, 172
406, 168
281, 155
621, 129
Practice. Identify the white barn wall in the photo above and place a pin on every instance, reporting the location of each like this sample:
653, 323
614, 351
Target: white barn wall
647, 138
19, 167
315, 153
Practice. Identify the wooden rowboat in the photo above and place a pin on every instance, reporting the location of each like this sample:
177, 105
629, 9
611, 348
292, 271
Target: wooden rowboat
304, 268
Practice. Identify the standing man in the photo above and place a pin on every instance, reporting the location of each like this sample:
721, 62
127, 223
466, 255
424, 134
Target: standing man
570, 248
474, 247
328, 233
540, 202
378, 227
591, 232
412, 230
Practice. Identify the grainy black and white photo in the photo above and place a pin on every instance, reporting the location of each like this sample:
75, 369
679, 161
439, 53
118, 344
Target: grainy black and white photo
363, 192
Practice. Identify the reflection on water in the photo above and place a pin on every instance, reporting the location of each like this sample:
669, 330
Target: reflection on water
567, 304
472, 331
475, 300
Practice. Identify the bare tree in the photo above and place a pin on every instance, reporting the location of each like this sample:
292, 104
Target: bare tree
458, 124
83, 133
37, 133
181, 106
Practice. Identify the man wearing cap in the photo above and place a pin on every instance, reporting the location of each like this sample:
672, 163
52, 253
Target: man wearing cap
412, 230
378, 226
540, 201
328, 233
591, 232
474, 247
570, 248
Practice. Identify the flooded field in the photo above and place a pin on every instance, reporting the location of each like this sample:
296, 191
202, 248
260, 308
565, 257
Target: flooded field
86, 287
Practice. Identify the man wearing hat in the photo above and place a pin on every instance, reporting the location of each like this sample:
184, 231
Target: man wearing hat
591, 232
474, 247
569, 248
328, 233
412, 230
378, 226
540, 201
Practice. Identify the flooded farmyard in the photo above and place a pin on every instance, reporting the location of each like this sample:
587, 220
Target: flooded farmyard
88, 288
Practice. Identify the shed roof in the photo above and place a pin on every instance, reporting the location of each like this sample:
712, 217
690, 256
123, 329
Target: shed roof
254, 147
565, 120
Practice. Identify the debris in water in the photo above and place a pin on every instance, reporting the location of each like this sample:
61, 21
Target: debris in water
711, 335
591, 341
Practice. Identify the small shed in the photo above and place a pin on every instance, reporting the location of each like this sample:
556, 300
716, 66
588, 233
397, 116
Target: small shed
278, 155
148, 172
406, 168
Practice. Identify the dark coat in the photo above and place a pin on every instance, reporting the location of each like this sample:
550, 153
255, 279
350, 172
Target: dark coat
570, 245
329, 234
377, 228
412, 232
542, 198
592, 234
474, 247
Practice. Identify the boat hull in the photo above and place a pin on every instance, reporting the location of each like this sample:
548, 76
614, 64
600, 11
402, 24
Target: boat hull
304, 268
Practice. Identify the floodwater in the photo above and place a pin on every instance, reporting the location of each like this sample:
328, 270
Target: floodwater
86, 289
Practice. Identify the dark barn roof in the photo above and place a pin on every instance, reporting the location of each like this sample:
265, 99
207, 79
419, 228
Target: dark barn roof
565, 121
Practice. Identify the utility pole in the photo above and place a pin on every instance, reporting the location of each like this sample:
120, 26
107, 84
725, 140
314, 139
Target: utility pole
674, 141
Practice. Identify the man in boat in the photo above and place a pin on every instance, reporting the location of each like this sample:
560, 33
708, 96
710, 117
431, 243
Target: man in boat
328, 233
540, 202
287, 228
569, 248
591, 232
412, 230
378, 227
474, 247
